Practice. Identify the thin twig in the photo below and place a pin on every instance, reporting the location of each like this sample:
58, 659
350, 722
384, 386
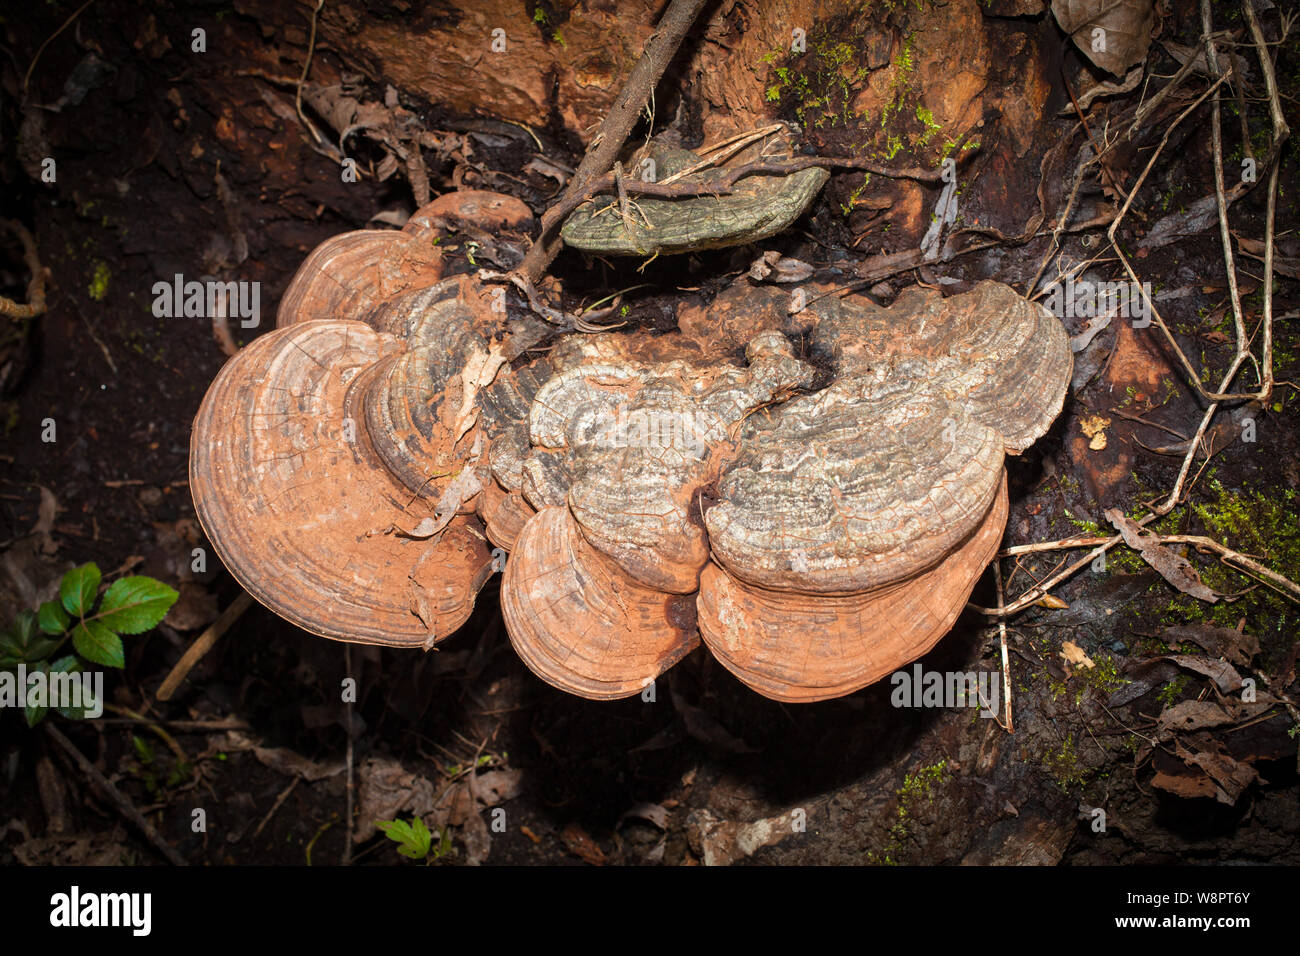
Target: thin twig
66, 23
35, 304
202, 644
1009, 726
279, 801
306, 65
120, 800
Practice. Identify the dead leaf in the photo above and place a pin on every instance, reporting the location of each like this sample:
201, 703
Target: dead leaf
1288, 266
544, 167
1144, 676
1094, 426
1224, 675
1187, 786
721, 842
1113, 34
1236, 647
1174, 568
280, 759
577, 842
1195, 219
1231, 776
1106, 88
1075, 656
45, 514
655, 814
480, 370
1191, 715
388, 790
771, 266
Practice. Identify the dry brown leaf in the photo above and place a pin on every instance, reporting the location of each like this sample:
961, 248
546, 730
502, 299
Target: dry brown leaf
1230, 776
46, 512
281, 759
1187, 786
722, 842
1224, 675
1237, 646
1075, 656
1192, 715
1125, 30
577, 842
1174, 568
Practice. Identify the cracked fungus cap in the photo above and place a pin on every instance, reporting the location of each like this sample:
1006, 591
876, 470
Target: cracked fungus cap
335, 464
853, 523
825, 539
349, 275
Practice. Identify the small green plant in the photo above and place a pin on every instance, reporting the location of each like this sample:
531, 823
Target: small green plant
1172, 691
414, 841
150, 772
1065, 767
131, 605
99, 282
915, 790
927, 120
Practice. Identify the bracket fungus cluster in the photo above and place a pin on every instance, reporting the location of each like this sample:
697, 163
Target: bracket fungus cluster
332, 459
815, 509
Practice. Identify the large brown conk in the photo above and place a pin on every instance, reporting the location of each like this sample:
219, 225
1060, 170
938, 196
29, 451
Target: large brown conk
355, 468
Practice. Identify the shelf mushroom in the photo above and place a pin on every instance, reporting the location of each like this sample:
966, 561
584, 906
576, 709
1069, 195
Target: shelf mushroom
816, 520
755, 207
827, 538
335, 462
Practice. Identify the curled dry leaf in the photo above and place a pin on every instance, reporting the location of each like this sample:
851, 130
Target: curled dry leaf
1113, 34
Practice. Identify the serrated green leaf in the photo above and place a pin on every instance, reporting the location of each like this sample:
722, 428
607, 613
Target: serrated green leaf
413, 838
397, 830
98, 644
78, 589
423, 838
25, 628
24, 642
136, 604
52, 618
70, 665
32, 713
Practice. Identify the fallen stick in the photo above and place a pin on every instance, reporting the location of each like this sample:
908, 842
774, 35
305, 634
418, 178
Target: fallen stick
35, 286
202, 644
124, 805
